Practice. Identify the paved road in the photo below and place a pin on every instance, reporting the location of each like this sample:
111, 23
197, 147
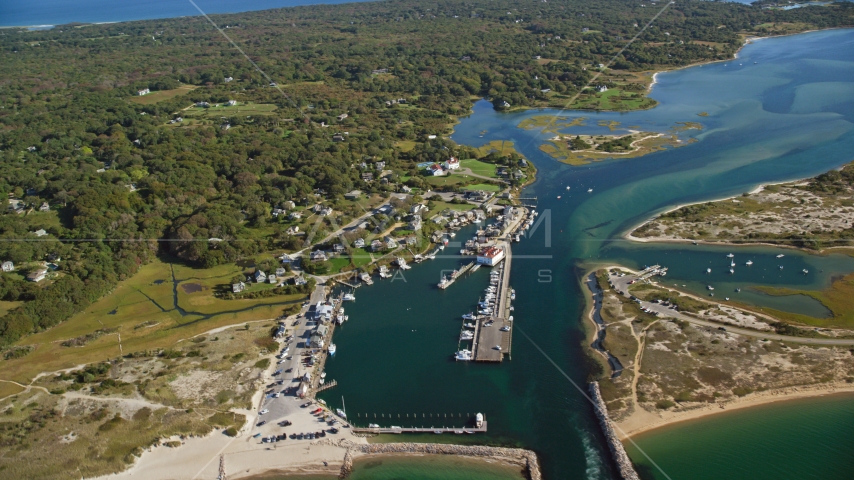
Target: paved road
621, 284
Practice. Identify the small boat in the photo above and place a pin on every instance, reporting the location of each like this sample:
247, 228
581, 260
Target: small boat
710, 287
478, 420
708, 270
322, 381
437, 432
558, 197
349, 297
780, 256
749, 263
323, 375
469, 325
732, 264
730, 256
726, 298
463, 355
589, 190
731, 271
466, 335
341, 413
737, 290
469, 316
373, 425
805, 271
512, 296
567, 188
781, 267
332, 349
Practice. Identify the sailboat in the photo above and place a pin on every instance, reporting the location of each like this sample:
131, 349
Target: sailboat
342, 412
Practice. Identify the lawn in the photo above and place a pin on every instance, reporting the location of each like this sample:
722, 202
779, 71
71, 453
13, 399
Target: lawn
440, 206
480, 168
145, 314
405, 145
360, 257
248, 109
6, 306
447, 180
486, 187
613, 99
162, 95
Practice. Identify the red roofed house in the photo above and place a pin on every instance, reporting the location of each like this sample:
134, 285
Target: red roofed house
436, 170
452, 164
491, 256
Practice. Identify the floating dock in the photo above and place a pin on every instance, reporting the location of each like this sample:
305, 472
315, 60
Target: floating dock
399, 430
454, 277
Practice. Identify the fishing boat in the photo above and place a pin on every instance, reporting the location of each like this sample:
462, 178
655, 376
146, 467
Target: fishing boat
332, 349
349, 297
466, 335
749, 263
469, 316
780, 256
478, 420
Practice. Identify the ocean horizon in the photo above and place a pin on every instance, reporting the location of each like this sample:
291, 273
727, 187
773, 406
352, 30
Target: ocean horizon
45, 13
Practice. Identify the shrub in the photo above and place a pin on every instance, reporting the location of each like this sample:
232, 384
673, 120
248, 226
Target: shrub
263, 363
231, 431
664, 404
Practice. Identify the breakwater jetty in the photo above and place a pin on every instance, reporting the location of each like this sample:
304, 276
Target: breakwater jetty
621, 458
519, 456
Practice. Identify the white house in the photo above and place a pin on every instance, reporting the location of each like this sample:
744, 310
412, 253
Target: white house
45, 207
390, 243
37, 275
436, 170
295, 216
601, 89
377, 245
418, 208
452, 164
272, 278
292, 230
232, 103
260, 276
144, 91
40, 232
318, 256
415, 223
8, 266
280, 272
491, 256
238, 287
359, 243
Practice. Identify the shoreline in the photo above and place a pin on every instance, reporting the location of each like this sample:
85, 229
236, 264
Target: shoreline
630, 427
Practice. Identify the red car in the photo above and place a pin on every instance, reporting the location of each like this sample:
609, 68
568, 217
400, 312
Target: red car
317, 411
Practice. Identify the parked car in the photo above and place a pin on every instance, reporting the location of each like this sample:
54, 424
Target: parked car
265, 411
261, 423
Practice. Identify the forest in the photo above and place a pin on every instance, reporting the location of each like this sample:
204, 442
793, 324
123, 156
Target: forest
125, 180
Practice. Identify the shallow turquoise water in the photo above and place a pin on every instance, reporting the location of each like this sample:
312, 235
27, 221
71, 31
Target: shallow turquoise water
768, 121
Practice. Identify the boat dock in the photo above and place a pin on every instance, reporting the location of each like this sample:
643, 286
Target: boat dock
453, 278
399, 430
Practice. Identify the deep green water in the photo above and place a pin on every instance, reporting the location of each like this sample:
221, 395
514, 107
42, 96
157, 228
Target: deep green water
792, 439
788, 116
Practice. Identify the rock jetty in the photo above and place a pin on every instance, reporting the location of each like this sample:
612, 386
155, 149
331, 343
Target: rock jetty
621, 458
520, 456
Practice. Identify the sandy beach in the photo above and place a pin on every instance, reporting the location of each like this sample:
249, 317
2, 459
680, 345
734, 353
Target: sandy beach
643, 421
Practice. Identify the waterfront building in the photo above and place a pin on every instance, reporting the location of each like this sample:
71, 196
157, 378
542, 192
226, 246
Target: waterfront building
491, 256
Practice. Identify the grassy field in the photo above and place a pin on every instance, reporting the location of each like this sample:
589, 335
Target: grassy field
454, 179
486, 187
480, 168
550, 124
161, 95
143, 311
6, 306
249, 109
441, 206
405, 145
614, 99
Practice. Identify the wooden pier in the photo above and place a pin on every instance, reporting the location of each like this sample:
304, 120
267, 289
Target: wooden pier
486, 339
326, 386
399, 430
460, 273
